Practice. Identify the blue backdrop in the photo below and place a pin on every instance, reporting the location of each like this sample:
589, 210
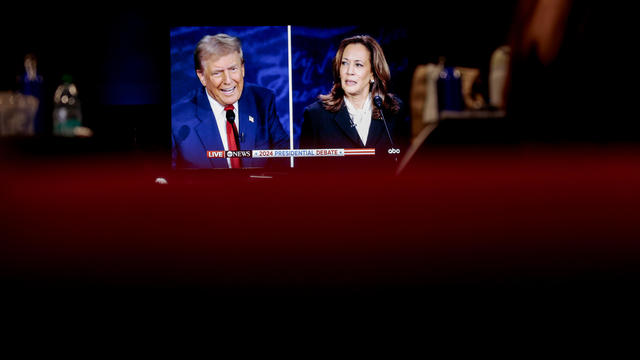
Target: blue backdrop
265, 54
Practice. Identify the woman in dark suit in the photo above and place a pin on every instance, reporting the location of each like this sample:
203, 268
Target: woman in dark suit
351, 115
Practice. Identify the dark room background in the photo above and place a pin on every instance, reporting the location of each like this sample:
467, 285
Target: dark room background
120, 59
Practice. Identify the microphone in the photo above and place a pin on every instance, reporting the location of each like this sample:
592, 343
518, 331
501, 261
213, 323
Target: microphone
231, 117
377, 101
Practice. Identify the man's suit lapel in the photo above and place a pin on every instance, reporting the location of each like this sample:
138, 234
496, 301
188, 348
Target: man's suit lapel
343, 120
248, 121
207, 129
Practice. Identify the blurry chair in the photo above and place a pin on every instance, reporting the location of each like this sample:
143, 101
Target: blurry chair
17, 114
473, 121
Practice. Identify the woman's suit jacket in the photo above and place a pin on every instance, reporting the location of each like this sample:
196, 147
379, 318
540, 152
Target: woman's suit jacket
323, 129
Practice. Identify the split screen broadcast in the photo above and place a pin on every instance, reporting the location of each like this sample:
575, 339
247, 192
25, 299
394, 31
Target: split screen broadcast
262, 96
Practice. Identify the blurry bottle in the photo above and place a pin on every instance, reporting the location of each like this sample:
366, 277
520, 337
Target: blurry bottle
31, 83
498, 76
431, 108
450, 89
67, 114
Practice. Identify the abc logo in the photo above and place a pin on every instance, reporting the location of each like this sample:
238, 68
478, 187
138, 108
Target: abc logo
393, 151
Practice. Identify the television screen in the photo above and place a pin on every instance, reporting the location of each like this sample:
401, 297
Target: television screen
240, 95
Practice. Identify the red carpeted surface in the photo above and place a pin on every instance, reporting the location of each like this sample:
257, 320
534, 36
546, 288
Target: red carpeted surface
502, 217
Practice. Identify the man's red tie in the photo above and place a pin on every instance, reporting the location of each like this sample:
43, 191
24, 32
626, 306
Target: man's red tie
232, 135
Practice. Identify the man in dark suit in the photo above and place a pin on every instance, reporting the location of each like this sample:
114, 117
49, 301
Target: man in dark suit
226, 113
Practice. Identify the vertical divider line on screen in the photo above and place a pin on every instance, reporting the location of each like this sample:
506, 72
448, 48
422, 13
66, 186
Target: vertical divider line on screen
290, 92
